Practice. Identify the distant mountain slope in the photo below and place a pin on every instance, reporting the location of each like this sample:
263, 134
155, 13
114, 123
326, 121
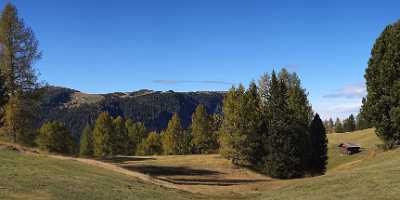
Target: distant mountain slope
153, 108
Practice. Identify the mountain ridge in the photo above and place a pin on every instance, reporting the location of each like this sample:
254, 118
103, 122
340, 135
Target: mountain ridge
154, 108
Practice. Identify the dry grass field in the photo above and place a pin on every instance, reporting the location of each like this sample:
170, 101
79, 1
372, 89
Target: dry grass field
371, 174
205, 174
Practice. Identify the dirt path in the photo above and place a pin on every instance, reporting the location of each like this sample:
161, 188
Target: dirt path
204, 174
108, 166
118, 169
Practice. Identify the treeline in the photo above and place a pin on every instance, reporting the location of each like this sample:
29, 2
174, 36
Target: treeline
271, 128
347, 125
116, 136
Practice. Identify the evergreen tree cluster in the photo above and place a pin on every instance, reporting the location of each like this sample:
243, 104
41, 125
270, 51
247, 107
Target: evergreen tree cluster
117, 136
270, 127
112, 136
349, 124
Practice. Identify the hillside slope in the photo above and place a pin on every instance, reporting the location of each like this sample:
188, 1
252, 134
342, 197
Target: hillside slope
154, 108
30, 176
372, 174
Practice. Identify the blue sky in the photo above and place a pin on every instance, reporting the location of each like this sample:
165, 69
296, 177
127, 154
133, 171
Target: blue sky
104, 46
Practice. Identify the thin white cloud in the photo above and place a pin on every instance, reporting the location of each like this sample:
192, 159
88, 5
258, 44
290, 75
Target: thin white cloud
174, 82
349, 91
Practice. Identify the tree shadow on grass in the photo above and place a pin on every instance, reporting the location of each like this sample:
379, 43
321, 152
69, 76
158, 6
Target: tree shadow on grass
189, 176
211, 182
171, 171
122, 159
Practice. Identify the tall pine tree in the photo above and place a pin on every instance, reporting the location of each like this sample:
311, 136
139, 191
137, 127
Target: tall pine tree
137, 133
120, 137
301, 113
86, 142
173, 139
202, 135
284, 158
253, 150
234, 133
382, 104
319, 147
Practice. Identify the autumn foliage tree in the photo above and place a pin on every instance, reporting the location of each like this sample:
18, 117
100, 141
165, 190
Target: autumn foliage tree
201, 130
19, 51
86, 142
137, 133
150, 145
120, 138
55, 137
174, 138
102, 135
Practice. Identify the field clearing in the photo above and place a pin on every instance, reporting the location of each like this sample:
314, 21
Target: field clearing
371, 174
205, 174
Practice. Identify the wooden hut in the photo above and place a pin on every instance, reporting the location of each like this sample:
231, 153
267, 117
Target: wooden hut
349, 148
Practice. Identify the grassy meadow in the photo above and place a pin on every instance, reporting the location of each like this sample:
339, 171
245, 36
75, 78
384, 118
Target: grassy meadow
371, 174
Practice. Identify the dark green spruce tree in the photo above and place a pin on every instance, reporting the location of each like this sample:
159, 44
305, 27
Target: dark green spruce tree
382, 105
284, 158
319, 147
254, 151
301, 113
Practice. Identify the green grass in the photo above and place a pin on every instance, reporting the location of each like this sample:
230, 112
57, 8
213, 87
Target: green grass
377, 178
372, 174
39, 177
366, 138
